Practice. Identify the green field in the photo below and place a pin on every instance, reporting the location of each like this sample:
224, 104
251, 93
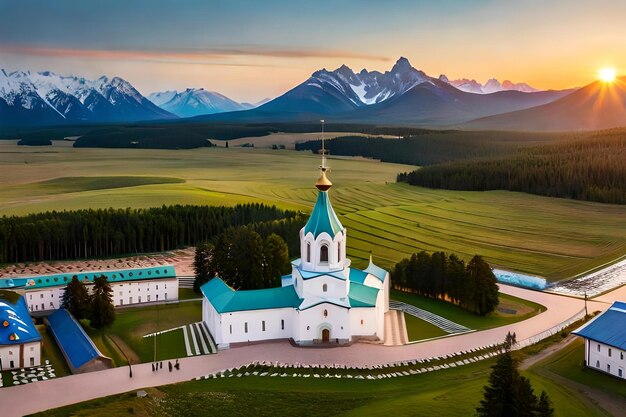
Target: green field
418, 329
550, 237
125, 336
453, 392
524, 310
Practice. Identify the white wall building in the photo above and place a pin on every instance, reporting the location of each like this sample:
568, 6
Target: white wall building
605, 341
323, 300
20, 342
43, 293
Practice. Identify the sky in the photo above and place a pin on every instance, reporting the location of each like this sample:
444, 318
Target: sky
250, 50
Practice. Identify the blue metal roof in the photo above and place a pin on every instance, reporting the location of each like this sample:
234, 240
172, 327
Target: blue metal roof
16, 325
72, 339
323, 218
362, 295
226, 300
608, 328
358, 276
375, 270
55, 280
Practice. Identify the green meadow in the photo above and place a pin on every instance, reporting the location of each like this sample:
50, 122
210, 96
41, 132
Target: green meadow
556, 238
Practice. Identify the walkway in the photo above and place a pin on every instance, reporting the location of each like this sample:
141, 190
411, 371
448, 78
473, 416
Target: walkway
198, 340
441, 322
62, 391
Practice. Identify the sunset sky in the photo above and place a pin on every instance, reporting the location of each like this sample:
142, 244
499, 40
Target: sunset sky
250, 50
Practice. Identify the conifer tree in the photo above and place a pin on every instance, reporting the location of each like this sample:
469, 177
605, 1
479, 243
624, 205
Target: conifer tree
76, 298
202, 265
102, 311
276, 259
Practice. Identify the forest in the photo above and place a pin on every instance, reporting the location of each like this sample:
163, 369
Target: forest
446, 277
112, 232
592, 169
430, 147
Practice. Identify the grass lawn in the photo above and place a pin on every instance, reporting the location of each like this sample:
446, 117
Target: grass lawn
50, 350
187, 294
418, 329
524, 309
555, 238
453, 392
569, 364
132, 323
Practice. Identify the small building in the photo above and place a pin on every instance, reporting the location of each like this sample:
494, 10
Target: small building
605, 341
43, 293
323, 301
20, 342
78, 349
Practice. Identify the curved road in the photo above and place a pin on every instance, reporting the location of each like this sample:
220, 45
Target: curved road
30, 398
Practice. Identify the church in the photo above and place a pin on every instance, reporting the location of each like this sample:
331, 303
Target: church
322, 302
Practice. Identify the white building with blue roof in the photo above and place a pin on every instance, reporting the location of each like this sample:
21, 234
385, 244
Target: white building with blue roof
20, 342
323, 301
605, 341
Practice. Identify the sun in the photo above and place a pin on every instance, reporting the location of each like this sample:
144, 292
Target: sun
607, 74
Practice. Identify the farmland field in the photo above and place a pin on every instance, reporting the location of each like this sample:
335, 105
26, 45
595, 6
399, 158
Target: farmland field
555, 238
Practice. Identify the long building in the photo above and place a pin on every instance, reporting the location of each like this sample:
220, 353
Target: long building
43, 293
605, 341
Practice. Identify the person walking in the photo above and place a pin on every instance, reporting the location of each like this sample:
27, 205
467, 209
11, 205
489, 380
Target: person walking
169, 364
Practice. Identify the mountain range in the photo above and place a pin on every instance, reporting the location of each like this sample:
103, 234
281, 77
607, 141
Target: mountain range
402, 95
491, 86
195, 102
45, 98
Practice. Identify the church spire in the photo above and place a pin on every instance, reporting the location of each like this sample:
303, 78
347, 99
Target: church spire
323, 183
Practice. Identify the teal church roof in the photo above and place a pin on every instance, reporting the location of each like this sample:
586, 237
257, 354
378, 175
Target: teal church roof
358, 276
323, 218
362, 295
226, 300
376, 270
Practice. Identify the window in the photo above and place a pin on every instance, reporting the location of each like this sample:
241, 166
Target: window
148, 297
130, 300
324, 288
361, 321
32, 362
338, 253
139, 299
620, 372
42, 307
120, 293
282, 325
308, 327
40, 295
11, 364
325, 313
263, 325
245, 327
598, 347
157, 297
308, 252
608, 368
31, 296
621, 355
32, 348
121, 302
157, 286
597, 364
166, 296
324, 253
610, 352
231, 329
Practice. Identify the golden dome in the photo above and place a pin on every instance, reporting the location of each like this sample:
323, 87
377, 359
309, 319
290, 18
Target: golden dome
323, 183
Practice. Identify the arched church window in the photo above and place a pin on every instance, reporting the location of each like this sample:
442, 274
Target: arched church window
324, 253
338, 253
325, 313
324, 288
308, 252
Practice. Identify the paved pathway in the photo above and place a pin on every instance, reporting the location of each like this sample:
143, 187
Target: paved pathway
62, 391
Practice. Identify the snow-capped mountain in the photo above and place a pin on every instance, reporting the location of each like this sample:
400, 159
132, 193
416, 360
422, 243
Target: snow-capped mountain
491, 86
48, 98
195, 102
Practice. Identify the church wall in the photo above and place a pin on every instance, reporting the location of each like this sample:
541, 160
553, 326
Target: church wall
213, 321
363, 321
21, 355
335, 288
312, 321
279, 324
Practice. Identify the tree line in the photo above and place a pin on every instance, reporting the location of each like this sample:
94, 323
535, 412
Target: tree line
592, 169
97, 307
446, 277
243, 259
110, 232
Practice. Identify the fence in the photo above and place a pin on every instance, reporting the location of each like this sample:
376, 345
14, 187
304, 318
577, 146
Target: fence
550, 332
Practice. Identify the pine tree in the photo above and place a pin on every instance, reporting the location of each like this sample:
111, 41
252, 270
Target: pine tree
102, 311
76, 298
276, 259
544, 408
485, 297
202, 265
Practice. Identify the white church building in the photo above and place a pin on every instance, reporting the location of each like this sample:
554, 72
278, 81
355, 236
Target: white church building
322, 301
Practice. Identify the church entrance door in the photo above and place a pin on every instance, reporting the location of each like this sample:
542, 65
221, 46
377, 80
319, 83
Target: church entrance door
325, 335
